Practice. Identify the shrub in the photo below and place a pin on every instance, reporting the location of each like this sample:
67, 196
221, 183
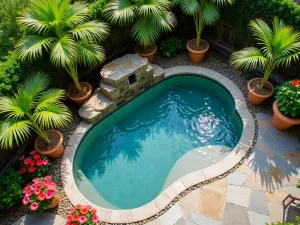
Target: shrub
85, 215
39, 194
280, 223
12, 72
288, 96
96, 9
35, 165
172, 46
10, 189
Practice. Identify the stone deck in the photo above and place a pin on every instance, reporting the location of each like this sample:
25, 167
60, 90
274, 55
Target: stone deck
253, 194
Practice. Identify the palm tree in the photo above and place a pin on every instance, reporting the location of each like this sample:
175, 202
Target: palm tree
63, 30
278, 46
204, 12
149, 18
32, 108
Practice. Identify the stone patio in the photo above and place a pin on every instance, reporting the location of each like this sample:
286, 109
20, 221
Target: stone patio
253, 194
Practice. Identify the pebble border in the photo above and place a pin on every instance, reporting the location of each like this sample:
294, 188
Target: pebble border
182, 186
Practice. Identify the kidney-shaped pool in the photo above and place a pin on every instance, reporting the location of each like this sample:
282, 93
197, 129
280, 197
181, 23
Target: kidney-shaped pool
183, 124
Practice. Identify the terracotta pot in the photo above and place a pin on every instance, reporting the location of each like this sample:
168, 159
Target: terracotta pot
55, 201
257, 99
197, 56
57, 151
149, 56
280, 121
81, 100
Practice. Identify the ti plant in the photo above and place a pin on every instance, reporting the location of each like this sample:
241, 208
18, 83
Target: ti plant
62, 30
33, 107
204, 12
278, 46
149, 18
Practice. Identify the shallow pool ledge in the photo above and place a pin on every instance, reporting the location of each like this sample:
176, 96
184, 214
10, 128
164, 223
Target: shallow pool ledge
167, 196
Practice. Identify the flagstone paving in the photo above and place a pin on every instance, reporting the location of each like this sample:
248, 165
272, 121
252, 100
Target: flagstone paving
253, 194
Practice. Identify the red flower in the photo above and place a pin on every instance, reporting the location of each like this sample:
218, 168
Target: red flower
21, 157
78, 206
94, 211
32, 162
69, 218
31, 169
36, 156
22, 170
27, 161
75, 217
39, 162
84, 211
41, 197
295, 83
45, 161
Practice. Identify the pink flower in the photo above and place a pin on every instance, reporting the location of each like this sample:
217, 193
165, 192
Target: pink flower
32, 152
51, 188
71, 210
21, 157
28, 193
39, 162
95, 219
37, 191
49, 194
31, 169
45, 162
33, 187
82, 219
36, 156
27, 161
34, 206
48, 178
25, 200
40, 183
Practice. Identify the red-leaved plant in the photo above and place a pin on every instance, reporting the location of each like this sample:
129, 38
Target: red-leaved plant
39, 194
82, 215
35, 165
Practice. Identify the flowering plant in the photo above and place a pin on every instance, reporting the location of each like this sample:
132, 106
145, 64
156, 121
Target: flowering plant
39, 194
35, 165
82, 215
288, 96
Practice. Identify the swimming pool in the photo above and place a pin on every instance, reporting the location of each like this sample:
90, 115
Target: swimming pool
183, 124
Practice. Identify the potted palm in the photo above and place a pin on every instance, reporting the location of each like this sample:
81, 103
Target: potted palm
35, 108
148, 19
286, 108
63, 31
204, 12
278, 46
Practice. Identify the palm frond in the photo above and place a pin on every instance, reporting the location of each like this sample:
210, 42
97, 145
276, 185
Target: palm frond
144, 32
35, 83
76, 14
49, 97
165, 22
90, 54
121, 12
10, 108
63, 52
190, 7
54, 115
93, 30
153, 8
13, 132
210, 13
285, 60
222, 2
31, 47
248, 59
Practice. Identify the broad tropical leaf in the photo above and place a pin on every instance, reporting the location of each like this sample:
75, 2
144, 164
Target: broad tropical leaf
144, 32
93, 30
49, 97
89, 53
210, 13
121, 12
165, 22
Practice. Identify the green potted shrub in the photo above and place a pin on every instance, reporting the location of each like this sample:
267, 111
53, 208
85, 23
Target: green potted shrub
64, 32
172, 46
11, 189
278, 46
286, 108
204, 12
34, 108
148, 19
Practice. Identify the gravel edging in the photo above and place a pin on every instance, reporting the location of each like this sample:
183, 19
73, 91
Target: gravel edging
214, 61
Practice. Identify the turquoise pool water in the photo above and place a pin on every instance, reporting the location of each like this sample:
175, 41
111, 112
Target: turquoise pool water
129, 157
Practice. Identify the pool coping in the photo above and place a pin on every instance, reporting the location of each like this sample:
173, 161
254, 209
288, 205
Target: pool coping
176, 188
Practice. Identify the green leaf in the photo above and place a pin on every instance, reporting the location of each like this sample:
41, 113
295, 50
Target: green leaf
144, 32
210, 13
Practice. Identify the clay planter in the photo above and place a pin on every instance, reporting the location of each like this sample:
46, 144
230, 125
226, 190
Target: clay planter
257, 99
280, 121
55, 201
149, 56
57, 151
196, 56
81, 100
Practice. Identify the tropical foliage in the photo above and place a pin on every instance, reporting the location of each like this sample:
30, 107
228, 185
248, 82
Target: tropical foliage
172, 46
33, 107
11, 189
96, 9
288, 223
62, 30
204, 12
278, 46
288, 96
148, 18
